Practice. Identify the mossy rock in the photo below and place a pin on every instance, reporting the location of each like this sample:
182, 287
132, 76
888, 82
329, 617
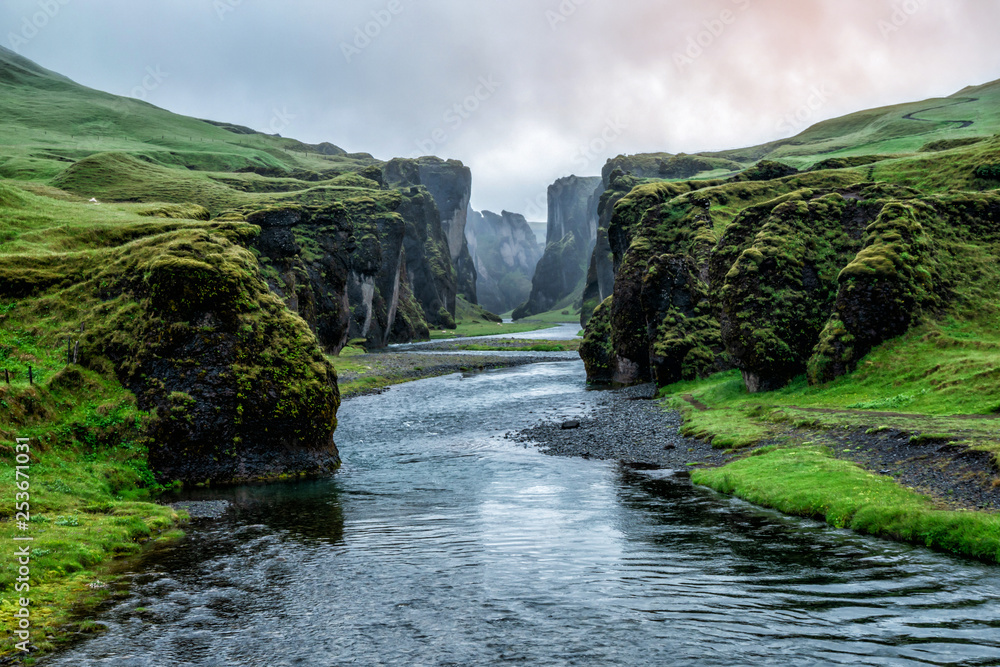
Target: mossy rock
776, 296
767, 170
596, 350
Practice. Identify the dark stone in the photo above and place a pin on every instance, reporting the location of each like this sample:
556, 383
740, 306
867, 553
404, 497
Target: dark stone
506, 253
569, 241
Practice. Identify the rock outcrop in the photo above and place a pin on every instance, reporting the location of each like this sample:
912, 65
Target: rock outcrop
570, 238
342, 268
432, 275
236, 385
803, 273
506, 252
450, 184
618, 177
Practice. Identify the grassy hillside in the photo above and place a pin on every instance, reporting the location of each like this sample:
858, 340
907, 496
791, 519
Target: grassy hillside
899, 130
127, 283
844, 283
93, 144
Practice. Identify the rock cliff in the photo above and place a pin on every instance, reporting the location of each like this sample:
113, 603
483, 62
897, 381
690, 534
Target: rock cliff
235, 385
450, 184
342, 268
618, 177
570, 237
432, 275
800, 273
506, 252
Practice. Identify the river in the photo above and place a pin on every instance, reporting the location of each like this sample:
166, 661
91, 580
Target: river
441, 543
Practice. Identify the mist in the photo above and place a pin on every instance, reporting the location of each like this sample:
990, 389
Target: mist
522, 91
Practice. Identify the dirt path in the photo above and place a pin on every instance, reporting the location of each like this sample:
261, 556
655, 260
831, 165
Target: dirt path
961, 123
869, 413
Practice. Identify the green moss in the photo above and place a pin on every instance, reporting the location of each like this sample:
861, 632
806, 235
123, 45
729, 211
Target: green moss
596, 350
807, 482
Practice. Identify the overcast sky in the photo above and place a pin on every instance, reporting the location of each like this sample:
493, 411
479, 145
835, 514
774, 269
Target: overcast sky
522, 91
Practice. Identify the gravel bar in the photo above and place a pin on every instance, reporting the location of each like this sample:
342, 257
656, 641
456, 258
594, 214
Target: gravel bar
624, 425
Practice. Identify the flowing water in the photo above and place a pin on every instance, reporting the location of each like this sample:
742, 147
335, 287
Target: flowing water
440, 543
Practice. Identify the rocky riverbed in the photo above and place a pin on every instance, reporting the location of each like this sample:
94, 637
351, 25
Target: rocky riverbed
372, 373
626, 426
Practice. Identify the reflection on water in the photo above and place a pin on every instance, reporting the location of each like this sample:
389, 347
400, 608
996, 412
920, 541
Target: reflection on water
441, 544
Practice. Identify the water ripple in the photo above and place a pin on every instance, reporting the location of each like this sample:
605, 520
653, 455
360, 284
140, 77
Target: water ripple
440, 544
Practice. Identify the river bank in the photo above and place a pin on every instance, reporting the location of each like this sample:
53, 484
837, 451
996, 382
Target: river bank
360, 373
927, 489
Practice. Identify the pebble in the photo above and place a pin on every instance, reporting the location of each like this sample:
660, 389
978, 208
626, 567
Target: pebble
624, 426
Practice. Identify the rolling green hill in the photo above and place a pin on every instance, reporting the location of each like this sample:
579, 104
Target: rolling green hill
94, 144
884, 133
141, 339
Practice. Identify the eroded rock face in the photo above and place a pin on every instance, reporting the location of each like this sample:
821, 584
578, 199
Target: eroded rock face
506, 253
776, 267
570, 238
432, 276
596, 350
902, 272
450, 184
810, 274
237, 386
341, 268
663, 327
615, 184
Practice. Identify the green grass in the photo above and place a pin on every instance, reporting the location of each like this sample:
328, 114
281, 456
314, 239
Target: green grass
805, 481
90, 485
525, 346
932, 373
882, 132
471, 329
61, 264
93, 144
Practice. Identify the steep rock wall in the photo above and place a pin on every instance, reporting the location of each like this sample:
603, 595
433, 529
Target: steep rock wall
570, 238
236, 386
804, 273
450, 184
340, 267
506, 252
432, 275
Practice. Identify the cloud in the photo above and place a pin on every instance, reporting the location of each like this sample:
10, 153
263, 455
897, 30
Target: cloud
383, 75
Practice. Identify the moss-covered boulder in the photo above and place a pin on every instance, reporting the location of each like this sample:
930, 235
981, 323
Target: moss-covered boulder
783, 258
235, 385
596, 350
881, 290
660, 313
